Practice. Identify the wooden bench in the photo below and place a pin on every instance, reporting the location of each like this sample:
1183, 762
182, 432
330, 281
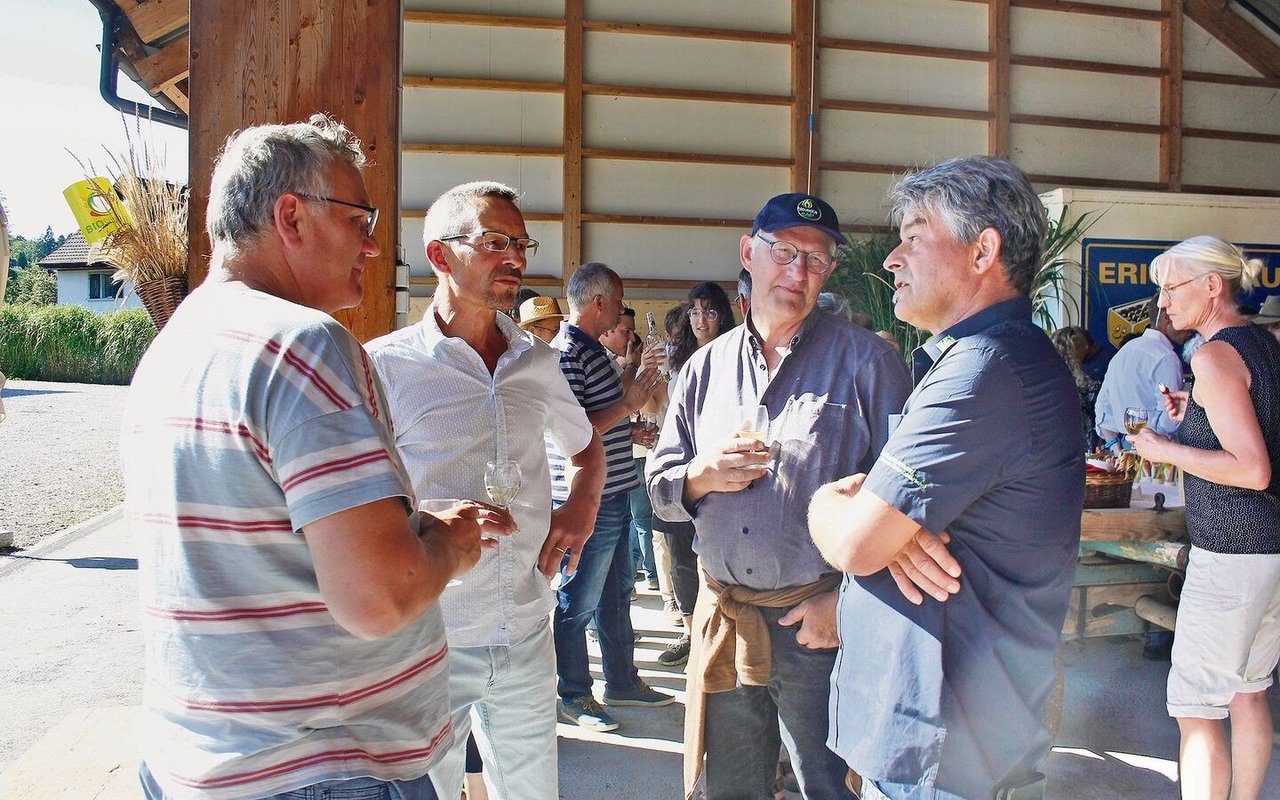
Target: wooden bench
92, 754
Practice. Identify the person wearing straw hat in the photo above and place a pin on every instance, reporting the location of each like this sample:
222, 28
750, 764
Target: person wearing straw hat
541, 316
1268, 316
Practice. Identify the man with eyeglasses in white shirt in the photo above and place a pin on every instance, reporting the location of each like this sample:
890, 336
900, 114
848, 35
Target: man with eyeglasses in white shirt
467, 386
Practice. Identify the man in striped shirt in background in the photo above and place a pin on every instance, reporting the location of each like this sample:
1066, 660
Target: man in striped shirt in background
601, 585
293, 640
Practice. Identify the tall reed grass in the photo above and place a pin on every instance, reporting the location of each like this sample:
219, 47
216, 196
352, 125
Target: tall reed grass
72, 344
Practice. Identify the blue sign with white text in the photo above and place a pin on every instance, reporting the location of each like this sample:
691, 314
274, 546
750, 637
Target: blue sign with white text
1118, 285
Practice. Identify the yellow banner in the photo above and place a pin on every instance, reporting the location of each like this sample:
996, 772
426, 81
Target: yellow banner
96, 207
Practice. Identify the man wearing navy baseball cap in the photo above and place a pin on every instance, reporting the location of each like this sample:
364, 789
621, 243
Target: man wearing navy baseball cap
764, 635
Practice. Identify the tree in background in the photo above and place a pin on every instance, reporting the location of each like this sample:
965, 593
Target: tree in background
34, 285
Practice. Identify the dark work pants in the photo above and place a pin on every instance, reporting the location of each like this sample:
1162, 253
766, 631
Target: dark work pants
745, 726
684, 565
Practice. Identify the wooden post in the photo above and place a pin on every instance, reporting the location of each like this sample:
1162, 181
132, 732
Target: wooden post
804, 91
571, 226
998, 44
262, 61
1171, 95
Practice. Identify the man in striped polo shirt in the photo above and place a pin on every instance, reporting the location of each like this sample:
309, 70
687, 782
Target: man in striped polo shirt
277, 529
600, 587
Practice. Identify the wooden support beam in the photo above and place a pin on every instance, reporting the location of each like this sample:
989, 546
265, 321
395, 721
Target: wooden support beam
483, 149
1237, 34
282, 63
481, 84
165, 67
1082, 123
641, 219
485, 20
700, 95
1231, 136
685, 32
571, 229
1171, 95
999, 43
804, 88
155, 19
897, 49
1258, 81
905, 109
686, 158
1097, 9
1079, 65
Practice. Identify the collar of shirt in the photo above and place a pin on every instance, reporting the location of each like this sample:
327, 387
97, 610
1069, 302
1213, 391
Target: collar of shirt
1155, 337
518, 340
926, 355
580, 338
756, 344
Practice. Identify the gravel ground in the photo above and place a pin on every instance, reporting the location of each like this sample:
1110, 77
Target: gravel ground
60, 450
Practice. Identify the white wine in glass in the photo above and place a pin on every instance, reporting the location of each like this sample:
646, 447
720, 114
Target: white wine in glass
1135, 419
502, 481
758, 426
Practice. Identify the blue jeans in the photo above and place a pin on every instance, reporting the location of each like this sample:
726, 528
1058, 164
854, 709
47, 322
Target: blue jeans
353, 789
600, 589
642, 526
883, 790
745, 726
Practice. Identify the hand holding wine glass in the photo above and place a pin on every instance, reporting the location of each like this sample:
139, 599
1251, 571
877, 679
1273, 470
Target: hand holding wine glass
1135, 419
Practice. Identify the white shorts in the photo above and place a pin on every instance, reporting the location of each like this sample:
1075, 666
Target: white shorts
1227, 639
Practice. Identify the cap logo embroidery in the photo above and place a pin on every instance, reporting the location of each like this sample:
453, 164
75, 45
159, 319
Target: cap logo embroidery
807, 209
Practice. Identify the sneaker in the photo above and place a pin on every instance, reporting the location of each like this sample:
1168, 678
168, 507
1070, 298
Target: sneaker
672, 613
653, 584
641, 695
587, 713
677, 654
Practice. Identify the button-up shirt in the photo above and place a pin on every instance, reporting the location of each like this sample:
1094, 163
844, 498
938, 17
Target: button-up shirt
1133, 381
829, 405
952, 695
451, 416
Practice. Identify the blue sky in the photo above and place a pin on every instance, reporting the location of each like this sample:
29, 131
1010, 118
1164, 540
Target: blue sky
49, 105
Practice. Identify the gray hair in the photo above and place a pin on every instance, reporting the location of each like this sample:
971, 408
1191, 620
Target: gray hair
834, 304
257, 165
448, 214
589, 280
744, 283
973, 193
1202, 255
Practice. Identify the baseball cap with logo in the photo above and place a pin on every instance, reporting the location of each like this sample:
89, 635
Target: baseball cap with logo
795, 209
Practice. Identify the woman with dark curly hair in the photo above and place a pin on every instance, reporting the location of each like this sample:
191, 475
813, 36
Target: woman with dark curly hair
707, 315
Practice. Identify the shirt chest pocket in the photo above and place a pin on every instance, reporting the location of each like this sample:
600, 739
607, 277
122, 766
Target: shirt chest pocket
811, 433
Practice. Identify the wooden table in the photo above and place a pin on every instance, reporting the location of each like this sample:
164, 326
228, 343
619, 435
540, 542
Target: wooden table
1127, 554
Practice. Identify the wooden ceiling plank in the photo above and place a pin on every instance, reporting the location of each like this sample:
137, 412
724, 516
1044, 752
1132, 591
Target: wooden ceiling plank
166, 66
156, 19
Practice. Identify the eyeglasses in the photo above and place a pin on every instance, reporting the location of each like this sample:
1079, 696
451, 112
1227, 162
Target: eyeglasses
496, 242
710, 314
1168, 291
784, 253
370, 210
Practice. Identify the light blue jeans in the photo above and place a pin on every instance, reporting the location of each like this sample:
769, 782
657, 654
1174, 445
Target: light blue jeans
509, 695
353, 789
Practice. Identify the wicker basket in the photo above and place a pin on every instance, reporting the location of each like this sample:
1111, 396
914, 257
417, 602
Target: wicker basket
161, 296
1108, 489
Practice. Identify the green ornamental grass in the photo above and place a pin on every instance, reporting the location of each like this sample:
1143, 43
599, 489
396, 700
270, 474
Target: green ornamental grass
72, 344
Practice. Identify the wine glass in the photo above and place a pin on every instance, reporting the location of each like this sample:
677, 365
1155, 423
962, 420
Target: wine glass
756, 423
1135, 419
502, 481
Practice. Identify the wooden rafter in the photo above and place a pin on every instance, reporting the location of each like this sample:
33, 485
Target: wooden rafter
1171, 95
165, 67
999, 42
804, 89
571, 229
1237, 34
156, 19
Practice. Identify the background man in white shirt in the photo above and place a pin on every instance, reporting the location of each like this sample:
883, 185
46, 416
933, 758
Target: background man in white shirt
466, 385
1134, 376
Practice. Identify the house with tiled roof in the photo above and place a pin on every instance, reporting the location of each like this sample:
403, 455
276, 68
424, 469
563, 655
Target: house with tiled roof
85, 280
